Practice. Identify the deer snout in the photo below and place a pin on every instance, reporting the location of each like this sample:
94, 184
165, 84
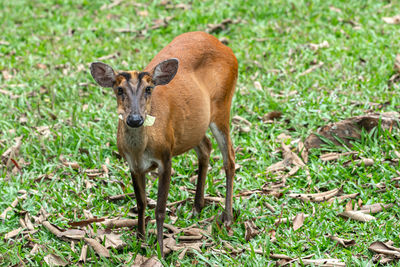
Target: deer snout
134, 120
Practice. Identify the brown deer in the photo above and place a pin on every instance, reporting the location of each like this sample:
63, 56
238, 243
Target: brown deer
166, 110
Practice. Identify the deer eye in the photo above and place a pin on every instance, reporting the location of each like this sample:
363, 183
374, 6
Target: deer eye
148, 90
120, 91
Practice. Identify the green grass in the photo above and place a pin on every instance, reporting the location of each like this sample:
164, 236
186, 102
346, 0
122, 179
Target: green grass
66, 36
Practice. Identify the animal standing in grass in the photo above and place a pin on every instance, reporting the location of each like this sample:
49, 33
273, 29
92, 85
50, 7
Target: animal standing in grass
166, 110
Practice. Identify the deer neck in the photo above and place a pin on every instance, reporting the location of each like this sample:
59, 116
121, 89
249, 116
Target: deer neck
135, 138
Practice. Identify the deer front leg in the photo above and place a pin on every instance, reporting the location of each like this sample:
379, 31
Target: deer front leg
139, 184
163, 189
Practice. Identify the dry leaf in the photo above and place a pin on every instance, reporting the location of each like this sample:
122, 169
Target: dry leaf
242, 124
318, 197
119, 223
11, 152
324, 262
73, 165
111, 5
168, 243
107, 57
113, 240
86, 222
35, 249
392, 20
72, 234
344, 242
83, 256
99, 248
340, 199
384, 248
161, 23
250, 230
311, 69
211, 28
375, 208
258, 85
298, 221
349, 206
397, 63
3, 215
350, 129
336, 156
152, 262
54, 230
273, 115
41, 66
13, 233
6, 75
54, 260
315, 47
357, 215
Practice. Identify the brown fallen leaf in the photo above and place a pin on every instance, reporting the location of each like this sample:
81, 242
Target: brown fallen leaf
324, 262
392, 20
273, 115
54, 230
251, 230
311, 69
349, 206
13, 233
73, 165
112, 240
357, 215
35, 249
9, 93
397, 63
107, 57
54, 260
72, 234
99, 248
336, 156
161, 23
303, 151
3, 215
342, 198
384, 248
168, 243
83, 256
285, 220
375, 208
298, 221
240, 123
212, 28
315, 47
86, 222
111, 5
343, 242
119, 223
11, 152
152, 262
350, 129
318, 197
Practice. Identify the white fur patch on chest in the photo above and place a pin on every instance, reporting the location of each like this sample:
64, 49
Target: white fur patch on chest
141, 163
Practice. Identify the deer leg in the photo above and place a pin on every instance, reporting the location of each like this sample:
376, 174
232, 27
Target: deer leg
221, 134
203, 154
162, 196
139, 184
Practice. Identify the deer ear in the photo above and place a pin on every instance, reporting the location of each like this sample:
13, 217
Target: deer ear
165, 71
103, 74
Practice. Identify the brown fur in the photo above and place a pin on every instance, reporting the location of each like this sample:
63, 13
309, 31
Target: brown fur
199, 94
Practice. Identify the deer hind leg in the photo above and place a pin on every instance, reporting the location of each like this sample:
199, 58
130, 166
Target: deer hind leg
203, 154
221, 134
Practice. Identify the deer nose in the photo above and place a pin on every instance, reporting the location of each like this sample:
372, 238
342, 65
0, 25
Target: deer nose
134, 121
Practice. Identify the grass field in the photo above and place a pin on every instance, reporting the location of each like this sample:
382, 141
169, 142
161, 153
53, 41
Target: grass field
49, 99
